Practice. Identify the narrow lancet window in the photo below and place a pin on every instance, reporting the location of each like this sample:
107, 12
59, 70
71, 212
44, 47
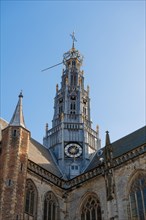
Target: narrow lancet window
30, 199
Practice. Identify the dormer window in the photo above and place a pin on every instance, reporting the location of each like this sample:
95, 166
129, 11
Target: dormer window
74, 170
74, 167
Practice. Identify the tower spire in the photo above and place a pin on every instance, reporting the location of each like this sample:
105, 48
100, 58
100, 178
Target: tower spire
18, 119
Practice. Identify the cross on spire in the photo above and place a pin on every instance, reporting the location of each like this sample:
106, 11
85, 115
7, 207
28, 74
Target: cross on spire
73, 38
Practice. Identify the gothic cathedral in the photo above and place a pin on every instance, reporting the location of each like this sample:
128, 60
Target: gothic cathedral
70, 177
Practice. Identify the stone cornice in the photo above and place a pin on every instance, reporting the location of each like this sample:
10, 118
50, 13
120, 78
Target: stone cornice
77, 181
129, 155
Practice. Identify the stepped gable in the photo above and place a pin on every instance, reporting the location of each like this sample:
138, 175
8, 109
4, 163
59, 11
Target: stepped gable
41, 156
122, 146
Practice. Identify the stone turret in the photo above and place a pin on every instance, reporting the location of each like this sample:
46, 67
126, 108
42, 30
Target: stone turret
13, 165
18, 119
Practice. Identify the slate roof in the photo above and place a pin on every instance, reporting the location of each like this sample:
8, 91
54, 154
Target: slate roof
41, 156
122, 146
129, 142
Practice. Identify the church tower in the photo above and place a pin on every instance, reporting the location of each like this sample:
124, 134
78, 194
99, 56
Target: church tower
71, 140
13, 165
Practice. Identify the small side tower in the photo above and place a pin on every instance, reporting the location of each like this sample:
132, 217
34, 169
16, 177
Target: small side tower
13, 165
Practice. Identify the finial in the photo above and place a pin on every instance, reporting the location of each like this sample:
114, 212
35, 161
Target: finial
97, 128
73, 38
21, 95
56, 87
107, 140
47, 127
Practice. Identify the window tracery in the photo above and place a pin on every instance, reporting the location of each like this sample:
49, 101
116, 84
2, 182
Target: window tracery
30, 199
50, 207
137, 199
91, 209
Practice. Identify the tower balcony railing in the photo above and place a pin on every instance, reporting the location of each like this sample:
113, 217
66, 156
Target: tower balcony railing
54, 129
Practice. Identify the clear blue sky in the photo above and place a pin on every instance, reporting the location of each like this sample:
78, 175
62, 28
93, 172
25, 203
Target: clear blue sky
110, 35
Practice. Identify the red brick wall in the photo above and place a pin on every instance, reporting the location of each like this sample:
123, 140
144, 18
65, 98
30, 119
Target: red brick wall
13, 169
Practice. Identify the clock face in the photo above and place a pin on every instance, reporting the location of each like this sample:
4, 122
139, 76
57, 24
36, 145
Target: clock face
73, 150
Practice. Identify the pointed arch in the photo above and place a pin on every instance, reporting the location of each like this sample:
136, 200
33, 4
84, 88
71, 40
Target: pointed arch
90, 208
51, 207
31, 196
137, 196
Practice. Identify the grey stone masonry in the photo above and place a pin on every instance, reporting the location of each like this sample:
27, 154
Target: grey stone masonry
71, 130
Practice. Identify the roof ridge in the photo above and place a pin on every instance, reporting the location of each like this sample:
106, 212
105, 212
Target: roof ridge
144, 127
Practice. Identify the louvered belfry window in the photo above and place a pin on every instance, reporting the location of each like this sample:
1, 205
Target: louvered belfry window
91, 209
137, 199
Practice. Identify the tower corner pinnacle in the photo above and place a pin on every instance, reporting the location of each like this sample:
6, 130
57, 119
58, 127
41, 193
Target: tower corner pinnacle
107, 139
18, 118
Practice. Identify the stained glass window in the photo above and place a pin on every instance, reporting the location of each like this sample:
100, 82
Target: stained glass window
137, 199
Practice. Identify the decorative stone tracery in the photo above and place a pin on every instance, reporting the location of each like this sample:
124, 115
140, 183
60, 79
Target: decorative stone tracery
30, 200
91, 208
51, 207
137, 197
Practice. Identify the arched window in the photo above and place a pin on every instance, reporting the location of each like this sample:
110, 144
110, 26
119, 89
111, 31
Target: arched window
91, 209
73, 80
74, 63
30, 199
137, 198
50, 207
